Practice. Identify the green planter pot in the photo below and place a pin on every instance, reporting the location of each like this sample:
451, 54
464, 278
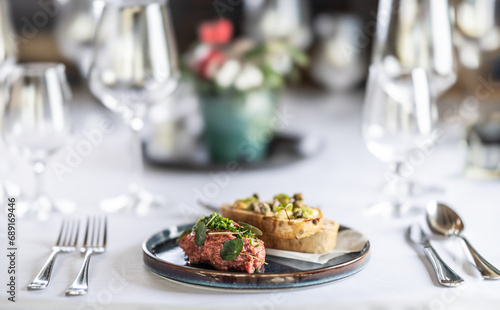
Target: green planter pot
240, 126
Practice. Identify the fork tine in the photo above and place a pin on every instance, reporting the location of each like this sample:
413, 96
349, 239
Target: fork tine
85, 244
104, 236
58, 243
99, 224
67, 233
77, 230
95, 235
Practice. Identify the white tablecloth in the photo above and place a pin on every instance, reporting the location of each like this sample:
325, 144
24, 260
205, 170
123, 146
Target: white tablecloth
343, 179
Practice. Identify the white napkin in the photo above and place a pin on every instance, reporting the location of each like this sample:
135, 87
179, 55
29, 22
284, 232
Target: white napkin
347, 241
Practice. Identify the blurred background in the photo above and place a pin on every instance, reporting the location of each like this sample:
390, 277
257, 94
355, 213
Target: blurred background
38, 25
41, 30
331, 42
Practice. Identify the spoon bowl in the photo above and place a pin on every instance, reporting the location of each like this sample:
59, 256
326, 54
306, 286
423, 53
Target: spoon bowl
442, 220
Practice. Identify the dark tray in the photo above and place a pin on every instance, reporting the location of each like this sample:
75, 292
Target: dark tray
284, 149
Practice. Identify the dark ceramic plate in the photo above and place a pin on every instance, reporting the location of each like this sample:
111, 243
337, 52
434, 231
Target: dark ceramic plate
284, 149
163, 256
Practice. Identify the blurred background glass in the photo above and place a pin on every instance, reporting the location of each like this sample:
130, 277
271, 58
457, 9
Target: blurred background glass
339, 59
75, 31
413, 64
287, 20
134, 65
35, 122
8, 48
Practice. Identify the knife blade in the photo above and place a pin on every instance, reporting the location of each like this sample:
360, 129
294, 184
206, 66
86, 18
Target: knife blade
445, 275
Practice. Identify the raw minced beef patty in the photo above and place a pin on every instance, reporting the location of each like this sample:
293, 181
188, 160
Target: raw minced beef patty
209, 253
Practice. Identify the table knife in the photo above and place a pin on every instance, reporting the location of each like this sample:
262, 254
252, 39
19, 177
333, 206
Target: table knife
445, 275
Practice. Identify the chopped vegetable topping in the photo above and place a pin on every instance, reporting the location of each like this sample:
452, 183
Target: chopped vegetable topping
281, 206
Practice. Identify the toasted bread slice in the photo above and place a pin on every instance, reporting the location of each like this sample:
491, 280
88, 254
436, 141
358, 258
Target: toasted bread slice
321, 242
278, 227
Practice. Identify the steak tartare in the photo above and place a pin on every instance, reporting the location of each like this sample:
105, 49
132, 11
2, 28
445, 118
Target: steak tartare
219, 239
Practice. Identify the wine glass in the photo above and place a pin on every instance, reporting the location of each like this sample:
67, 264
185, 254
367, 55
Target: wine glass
413, 64
75, 31
134, 66
35, 122
476, 30
279, 20
8, 49
414, 34
8, 58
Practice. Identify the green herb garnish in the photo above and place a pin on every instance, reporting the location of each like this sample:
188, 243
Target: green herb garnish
253, 229
231, 249
186, 232
200, 233
217, 222
287, 207
260, 260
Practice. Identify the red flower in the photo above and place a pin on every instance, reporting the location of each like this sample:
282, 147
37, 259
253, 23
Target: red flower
217, 32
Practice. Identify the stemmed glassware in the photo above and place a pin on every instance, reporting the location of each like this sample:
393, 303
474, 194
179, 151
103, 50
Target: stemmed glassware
7, 62
476, 30
7, 46
35, 122
413, 63
134, 66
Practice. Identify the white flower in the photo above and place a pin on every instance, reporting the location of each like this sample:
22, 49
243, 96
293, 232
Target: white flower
250, 77
227, 73
198, 54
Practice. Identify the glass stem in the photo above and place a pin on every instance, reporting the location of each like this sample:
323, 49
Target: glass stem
136, 126
399, 183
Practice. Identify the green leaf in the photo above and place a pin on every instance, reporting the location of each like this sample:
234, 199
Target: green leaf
200, 233
186, 232
288, 207
258, 51
298, 56
253, 229
273, 79
231, 249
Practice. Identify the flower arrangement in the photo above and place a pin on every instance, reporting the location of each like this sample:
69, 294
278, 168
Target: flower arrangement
218, 64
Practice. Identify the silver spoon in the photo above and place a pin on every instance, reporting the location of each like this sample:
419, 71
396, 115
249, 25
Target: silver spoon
444, 221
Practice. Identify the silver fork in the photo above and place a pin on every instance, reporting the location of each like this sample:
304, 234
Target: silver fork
93, 243
66, 243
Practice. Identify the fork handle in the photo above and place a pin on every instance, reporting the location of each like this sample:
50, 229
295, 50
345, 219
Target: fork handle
43, 278
80, 285
487, 270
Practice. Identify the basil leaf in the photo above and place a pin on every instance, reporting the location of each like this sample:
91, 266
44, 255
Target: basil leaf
186, 232
253, 229
231, 249
200, 233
